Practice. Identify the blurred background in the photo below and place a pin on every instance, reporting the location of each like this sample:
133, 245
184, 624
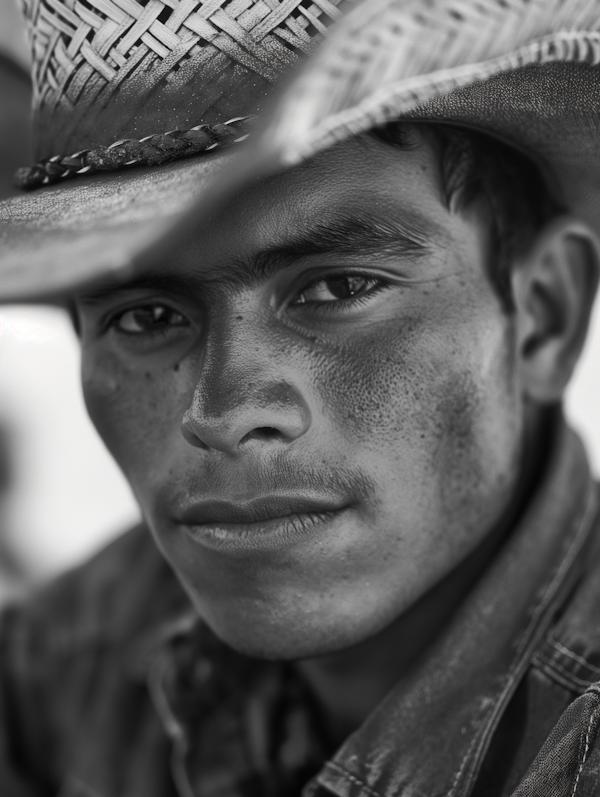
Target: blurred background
61, 496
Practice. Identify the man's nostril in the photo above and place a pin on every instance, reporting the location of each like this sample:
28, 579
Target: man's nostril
261, 433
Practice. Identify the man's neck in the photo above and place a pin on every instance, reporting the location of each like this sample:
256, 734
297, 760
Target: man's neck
350, 684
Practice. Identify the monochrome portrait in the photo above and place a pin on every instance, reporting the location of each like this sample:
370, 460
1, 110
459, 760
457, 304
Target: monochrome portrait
327, 272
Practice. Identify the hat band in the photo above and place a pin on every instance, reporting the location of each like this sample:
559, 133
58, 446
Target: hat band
151, 150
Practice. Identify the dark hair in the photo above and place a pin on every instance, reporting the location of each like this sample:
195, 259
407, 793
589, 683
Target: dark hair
507, 185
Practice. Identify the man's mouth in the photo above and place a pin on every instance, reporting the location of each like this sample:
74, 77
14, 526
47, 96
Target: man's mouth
257, 510
269, 522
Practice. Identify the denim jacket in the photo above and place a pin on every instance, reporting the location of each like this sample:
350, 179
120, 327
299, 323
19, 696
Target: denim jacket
110, 687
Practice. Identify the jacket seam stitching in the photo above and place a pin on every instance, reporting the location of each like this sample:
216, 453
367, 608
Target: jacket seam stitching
554, 665
341, 771
593, 716
566, 652
556, 677
463, 764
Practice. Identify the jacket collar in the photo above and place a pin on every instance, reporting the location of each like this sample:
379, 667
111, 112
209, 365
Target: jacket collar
430, 734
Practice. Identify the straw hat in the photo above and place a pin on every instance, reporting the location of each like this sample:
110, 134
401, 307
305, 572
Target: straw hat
124, 71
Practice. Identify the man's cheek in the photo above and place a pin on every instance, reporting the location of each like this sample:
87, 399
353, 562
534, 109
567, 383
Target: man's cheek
132, 409
386, 386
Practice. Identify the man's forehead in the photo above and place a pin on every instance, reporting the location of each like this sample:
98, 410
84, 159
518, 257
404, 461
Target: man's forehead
356, 197
338, 232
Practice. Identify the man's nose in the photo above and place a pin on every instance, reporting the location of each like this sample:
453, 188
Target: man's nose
237, 402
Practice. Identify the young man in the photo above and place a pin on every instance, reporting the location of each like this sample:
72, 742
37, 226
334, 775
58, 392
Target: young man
370, 557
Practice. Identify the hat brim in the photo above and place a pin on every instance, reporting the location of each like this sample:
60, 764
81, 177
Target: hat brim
62, 239
547, 110
541, 97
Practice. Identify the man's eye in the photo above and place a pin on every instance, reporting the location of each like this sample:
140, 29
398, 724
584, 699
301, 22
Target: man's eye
337, 288
149, 319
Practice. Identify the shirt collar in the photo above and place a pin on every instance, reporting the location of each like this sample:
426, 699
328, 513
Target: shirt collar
430, 734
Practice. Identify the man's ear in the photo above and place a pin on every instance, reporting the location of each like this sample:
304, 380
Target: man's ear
553, 289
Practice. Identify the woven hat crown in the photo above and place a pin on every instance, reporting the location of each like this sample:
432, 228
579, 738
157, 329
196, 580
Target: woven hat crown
110, 69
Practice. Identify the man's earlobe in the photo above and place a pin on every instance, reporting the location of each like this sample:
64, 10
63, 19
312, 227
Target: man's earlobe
553, 289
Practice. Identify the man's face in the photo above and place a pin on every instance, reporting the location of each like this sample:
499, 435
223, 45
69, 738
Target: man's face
315, 400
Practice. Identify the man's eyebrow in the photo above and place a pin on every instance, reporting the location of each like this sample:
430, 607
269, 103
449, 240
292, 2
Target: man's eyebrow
357, 235
155, 282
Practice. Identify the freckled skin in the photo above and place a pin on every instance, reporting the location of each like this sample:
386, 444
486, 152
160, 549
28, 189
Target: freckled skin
407, 406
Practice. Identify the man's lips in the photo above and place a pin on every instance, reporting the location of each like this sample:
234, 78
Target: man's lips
257, 510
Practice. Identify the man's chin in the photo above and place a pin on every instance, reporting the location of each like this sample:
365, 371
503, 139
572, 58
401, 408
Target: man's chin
292, 635
279, 646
